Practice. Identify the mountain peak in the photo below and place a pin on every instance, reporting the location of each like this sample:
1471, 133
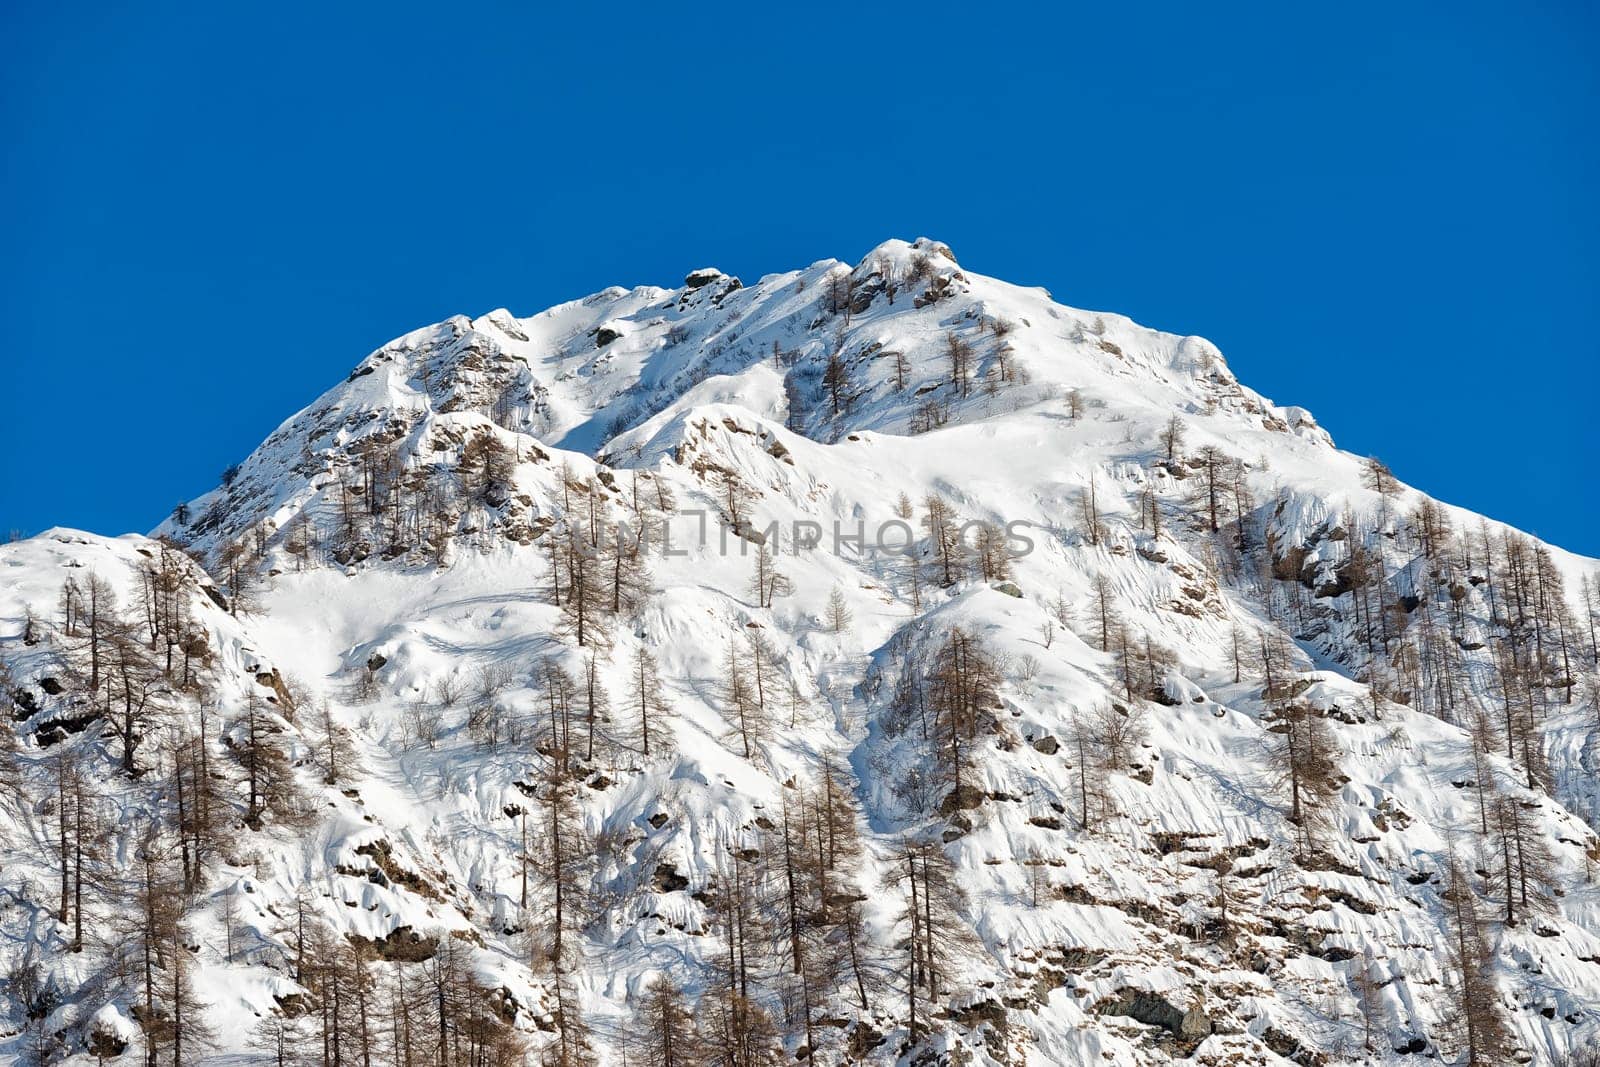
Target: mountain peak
913, 641
917, 344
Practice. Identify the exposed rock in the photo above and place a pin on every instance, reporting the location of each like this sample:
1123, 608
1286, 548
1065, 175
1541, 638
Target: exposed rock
668, 880
965, 796
960, 825
103, 1042
1153, 1009
381, 854
400, 945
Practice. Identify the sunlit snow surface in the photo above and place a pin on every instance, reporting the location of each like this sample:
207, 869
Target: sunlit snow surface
686, 384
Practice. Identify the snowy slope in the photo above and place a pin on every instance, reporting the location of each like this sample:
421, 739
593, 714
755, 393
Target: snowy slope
382, 564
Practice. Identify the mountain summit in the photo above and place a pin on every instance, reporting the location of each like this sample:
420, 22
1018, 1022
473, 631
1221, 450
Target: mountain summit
869, 664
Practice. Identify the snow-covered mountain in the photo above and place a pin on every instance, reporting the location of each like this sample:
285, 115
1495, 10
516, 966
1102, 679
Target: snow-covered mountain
876, 664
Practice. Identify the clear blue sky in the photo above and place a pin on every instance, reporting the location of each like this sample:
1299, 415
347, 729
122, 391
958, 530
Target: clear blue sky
1387, 214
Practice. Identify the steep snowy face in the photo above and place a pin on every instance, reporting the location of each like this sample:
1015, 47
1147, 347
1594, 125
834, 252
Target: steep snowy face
875, 664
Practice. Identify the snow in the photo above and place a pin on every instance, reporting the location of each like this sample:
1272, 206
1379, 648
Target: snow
688, 386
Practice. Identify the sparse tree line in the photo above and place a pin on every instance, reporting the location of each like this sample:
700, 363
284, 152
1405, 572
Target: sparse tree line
129, 886
131, 696
944, 695
1420, 609
794, 959
598, 571
375, 502
1425, 612
945, 549
1416, 626
1208, 491
1415, 605
358, 1010
782, 900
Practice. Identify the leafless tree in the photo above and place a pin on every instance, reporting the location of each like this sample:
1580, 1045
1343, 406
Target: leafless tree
1172, 438
839, 613
1477, 1023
